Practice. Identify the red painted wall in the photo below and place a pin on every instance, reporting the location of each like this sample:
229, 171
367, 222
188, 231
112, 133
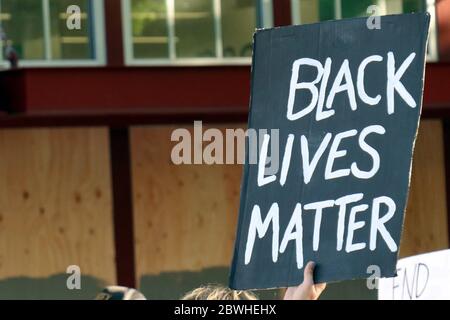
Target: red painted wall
282, 13
133, 90
443, 20
90, 89
113, 29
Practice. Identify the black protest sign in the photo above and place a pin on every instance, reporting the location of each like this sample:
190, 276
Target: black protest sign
339, 106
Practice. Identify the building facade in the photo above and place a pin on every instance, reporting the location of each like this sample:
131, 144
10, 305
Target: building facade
85, 139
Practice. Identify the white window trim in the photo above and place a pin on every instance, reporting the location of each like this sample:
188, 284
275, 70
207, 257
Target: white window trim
433, 47
174, 61
433, 50
99, 43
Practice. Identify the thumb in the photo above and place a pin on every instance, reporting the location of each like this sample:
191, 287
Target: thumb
308, 273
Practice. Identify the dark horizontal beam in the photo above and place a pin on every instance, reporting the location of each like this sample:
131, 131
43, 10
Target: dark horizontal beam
150, 117
122, 119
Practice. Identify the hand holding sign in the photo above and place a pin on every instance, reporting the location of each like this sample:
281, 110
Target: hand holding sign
346, 102
308, 290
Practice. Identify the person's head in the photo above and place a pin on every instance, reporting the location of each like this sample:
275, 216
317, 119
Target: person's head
218, 292
119, 293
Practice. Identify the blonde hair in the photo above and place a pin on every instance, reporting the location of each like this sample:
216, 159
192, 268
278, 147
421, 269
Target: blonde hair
218, 292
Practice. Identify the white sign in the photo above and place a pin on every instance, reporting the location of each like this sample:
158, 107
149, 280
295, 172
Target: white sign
421, 277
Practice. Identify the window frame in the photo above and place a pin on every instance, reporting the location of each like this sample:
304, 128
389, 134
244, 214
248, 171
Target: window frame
433, 50
264, 7
98, 17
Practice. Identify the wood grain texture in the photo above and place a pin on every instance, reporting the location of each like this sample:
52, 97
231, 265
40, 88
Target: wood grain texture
55, 203
185, 215
425, 226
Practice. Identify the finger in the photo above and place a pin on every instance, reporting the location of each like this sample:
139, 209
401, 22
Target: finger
308, 273
320, 287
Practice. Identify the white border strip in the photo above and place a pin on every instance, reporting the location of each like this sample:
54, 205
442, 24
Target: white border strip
433, 49
47, 29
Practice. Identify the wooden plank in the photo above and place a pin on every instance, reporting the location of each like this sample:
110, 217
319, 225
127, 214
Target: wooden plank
184, 215
55, 196
426, 215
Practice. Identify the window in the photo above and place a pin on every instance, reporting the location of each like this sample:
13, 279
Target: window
37, 31
192, 31
310, 11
